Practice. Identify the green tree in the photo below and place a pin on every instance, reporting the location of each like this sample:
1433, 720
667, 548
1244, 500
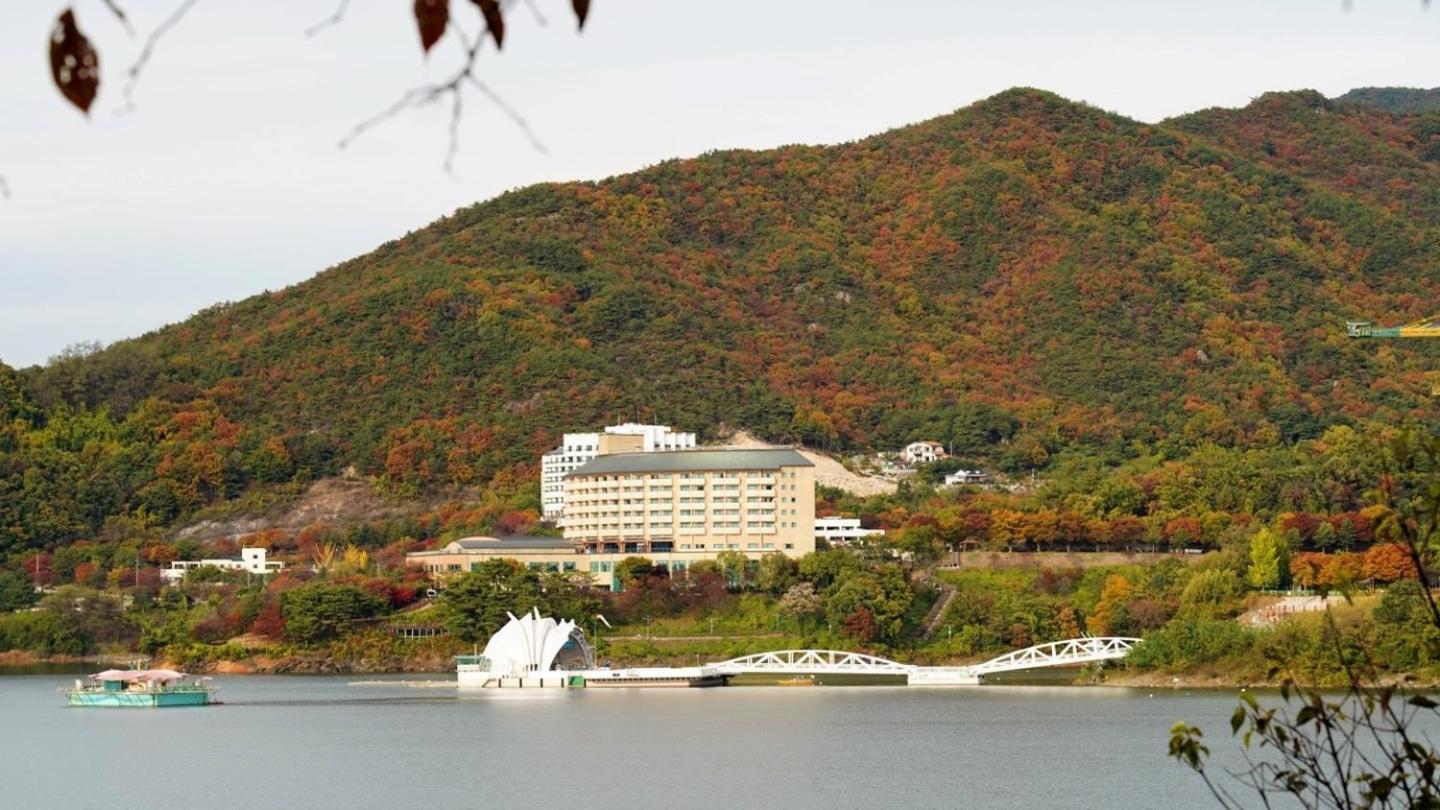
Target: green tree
1211, 591
824, 568
1267, 560
736, 567
320, 611
568, 595
632, 568
474, 606
16, 592
44, 632
775, 574
883, 594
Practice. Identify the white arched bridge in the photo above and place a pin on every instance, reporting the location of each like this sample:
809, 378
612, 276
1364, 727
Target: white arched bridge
819, 662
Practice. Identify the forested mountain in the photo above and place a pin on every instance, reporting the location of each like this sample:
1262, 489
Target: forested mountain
1395, 99
1026, 278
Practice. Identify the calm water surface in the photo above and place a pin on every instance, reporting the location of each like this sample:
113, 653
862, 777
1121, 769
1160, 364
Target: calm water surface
308, 741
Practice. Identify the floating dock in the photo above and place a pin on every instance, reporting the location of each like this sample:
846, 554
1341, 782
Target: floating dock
603, 678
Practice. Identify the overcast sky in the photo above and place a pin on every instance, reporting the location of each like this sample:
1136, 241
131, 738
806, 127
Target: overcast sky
225, 180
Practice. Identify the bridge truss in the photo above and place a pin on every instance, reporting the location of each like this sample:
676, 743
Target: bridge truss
1059, 654
813, 661
818, 662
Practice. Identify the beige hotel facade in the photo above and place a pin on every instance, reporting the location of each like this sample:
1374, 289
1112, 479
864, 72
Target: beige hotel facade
675, 508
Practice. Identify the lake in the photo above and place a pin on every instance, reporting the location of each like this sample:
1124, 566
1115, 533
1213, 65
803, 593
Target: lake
319, 741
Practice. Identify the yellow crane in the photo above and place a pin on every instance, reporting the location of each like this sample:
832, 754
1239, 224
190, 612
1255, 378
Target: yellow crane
1423, 328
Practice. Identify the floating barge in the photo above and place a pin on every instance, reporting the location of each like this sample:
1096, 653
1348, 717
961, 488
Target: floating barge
140, 689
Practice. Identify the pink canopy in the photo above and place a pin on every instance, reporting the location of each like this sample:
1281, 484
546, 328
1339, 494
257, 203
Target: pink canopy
141, 675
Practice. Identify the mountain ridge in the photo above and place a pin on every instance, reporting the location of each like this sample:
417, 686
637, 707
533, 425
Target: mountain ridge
1395, 99
1026, 278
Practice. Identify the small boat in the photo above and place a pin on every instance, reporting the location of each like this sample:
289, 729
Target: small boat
801, 680
140, 688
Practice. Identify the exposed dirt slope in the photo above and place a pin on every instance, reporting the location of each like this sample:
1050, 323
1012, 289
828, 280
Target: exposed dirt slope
828, 471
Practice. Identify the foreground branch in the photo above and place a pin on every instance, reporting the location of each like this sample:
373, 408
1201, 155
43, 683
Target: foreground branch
132, 76
453, 90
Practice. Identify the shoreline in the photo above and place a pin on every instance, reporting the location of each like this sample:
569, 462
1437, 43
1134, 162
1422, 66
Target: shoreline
261, 663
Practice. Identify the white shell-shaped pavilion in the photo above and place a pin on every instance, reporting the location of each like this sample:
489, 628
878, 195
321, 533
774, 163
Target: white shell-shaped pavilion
533, 643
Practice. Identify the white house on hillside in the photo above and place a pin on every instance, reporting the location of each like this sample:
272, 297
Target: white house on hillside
961, 477
924, 452
251, 561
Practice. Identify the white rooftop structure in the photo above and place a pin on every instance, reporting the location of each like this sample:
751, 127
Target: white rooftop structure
577, 448
251, 561
840, 530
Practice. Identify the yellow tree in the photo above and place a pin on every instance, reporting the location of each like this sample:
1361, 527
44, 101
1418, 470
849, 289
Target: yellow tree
1113, 598
1006, 527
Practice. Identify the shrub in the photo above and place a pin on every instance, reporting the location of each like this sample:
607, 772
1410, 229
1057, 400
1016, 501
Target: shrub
320, 611
1186, 642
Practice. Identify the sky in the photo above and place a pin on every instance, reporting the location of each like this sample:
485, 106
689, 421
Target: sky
225, 179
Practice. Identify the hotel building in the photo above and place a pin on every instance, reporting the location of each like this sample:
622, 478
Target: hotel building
675, 508
577, 448
693, 501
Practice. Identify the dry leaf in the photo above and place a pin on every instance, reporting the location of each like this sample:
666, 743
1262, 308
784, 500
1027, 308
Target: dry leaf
494, 21
431, 16
73, 62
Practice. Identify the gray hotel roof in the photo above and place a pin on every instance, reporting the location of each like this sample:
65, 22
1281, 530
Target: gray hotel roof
513, 542
691, 461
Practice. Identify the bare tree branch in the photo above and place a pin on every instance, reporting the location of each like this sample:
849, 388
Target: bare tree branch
132, 76
453, 88
4, 188
511, 112
120, 15
331, 21
535, 10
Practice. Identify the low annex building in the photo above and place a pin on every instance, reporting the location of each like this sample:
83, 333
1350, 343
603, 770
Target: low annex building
840, 531
251, 561
536, 553
675, 508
